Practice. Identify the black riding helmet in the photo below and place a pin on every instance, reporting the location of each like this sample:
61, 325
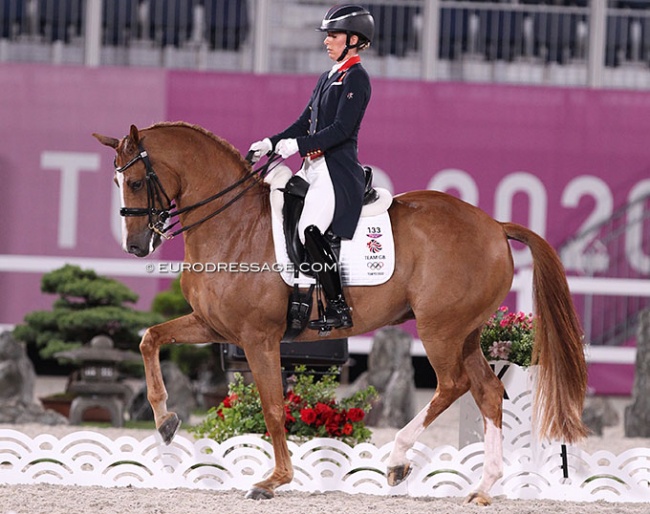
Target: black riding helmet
351, 19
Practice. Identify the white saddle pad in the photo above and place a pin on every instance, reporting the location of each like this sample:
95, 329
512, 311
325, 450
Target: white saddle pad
368, 259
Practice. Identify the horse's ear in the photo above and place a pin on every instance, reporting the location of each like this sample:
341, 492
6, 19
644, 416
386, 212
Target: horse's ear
108, 141
134, 135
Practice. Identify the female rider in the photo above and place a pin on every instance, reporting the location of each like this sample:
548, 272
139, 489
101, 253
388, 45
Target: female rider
325, 135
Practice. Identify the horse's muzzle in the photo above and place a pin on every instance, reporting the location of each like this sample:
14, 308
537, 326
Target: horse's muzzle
137, 250
143, 245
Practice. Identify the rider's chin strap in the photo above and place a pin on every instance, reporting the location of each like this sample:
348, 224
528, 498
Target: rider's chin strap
344, 53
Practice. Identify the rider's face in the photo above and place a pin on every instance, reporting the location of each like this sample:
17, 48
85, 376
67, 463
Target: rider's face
335, 44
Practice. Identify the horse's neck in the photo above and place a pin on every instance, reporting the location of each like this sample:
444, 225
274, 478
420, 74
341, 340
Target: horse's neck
213, 170
240, 231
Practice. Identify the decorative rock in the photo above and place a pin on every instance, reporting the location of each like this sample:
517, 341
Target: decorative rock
17, 376
17, 379
637, 415
390, 371
598, 414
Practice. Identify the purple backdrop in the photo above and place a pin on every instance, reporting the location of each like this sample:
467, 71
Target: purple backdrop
549, 158
56, 178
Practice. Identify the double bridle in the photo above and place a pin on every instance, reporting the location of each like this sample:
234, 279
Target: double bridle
157, 198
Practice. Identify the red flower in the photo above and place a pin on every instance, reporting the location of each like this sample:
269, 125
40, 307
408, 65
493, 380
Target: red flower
333, 427
333, 422
348, 429
229, 400
323, 412
355, 414
308, 416
293, 398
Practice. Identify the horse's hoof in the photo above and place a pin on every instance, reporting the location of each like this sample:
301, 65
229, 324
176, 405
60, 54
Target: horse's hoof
169, 428
478, 498
397, 474
257, 493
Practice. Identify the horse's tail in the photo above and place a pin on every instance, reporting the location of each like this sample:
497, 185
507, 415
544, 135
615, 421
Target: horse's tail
558, 349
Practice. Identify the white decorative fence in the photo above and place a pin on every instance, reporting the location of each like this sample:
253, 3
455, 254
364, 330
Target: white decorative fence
89, 458
517, 409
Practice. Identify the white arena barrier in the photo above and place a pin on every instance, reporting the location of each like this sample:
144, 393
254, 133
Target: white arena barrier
88, 458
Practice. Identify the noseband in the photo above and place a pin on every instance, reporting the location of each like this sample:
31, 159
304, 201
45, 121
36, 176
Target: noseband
160, 208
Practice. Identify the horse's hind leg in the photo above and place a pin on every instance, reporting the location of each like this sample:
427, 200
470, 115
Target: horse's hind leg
487, 391
186, 329
453, 382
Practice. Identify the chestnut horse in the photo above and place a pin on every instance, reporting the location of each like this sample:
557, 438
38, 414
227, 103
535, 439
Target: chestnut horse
454, 269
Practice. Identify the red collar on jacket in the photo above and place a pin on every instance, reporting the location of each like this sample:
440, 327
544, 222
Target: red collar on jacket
340, 72
350, 62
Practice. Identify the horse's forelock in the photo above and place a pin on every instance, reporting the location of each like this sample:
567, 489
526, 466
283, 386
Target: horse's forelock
127, 145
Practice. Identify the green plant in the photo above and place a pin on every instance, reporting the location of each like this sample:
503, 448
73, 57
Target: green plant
88, 305
509, 336
310, 406
171, 303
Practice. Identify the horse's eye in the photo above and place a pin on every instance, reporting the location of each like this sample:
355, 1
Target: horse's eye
136, 185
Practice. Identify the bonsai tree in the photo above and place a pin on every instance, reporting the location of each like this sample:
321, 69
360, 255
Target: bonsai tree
88, 305
171, 303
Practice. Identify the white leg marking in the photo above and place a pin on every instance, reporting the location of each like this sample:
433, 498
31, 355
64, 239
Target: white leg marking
406, 438
493, 463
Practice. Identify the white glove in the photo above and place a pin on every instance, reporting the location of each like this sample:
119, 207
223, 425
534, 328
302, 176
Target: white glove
260, 148
286, 148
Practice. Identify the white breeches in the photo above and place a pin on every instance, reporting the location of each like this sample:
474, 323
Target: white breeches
319, 201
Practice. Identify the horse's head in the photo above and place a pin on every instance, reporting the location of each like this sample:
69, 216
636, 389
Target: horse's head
190, 164
144, 200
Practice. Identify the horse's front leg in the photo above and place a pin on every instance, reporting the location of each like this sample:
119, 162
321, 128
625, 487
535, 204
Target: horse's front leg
186, 330
265, 365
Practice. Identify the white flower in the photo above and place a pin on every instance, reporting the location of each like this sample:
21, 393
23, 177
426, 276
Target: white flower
500, 349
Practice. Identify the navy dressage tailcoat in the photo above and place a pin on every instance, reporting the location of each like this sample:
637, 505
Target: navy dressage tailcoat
329, 126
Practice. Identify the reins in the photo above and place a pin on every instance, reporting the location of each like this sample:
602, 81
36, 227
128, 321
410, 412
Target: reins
156, 192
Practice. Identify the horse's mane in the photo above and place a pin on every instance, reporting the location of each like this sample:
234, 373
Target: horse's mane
228, 147
220, 141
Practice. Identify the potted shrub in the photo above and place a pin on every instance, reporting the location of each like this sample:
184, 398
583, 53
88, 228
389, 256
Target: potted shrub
509, 336
311, 408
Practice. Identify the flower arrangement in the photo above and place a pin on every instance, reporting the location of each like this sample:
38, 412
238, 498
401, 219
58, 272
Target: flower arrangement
509, 336
310, 406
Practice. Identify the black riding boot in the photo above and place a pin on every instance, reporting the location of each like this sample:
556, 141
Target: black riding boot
325, 265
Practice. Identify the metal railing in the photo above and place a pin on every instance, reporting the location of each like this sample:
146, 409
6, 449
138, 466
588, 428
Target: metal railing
572, 42
615, 248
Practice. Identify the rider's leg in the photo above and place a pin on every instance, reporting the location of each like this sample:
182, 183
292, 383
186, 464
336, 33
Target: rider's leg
316, 218
319, 200
325, 265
